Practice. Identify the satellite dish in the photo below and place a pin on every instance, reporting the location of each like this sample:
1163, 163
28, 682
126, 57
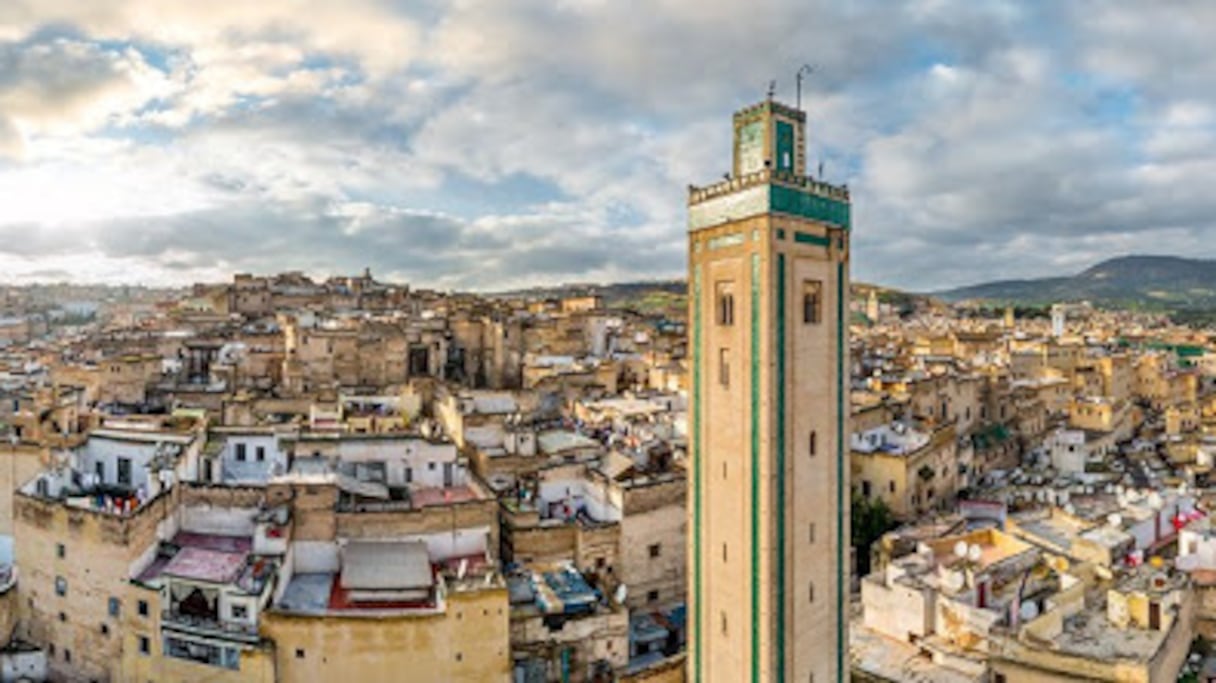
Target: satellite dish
960, 549
1028, 611
974, 553
954, 581
621, 593
1115, 519
1069, 509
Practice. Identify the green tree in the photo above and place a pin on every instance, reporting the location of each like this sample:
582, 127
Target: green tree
871, 519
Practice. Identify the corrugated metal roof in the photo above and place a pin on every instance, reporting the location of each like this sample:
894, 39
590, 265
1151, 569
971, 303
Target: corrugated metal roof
389, 565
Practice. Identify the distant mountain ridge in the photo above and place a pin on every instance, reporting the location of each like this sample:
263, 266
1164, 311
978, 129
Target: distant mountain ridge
1158, 282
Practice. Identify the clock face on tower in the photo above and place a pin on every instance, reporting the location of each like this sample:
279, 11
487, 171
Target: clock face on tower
751, 147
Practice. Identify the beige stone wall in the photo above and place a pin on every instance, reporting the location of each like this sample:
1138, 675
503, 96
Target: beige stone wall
256, 664
601, 636
428, 520
542, 544
8, 614
654, 516
98, 552
469, 643
887, 476
18, 466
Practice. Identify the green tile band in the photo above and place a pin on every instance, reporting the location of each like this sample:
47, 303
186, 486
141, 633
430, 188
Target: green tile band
808, 204
807, 238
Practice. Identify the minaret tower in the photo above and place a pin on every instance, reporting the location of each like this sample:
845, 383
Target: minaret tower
768, 504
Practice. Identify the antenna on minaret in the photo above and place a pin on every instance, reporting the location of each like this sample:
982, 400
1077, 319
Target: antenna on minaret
772, 88
804, 70
821, 169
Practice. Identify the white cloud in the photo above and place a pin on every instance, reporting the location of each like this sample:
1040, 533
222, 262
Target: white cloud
494, 142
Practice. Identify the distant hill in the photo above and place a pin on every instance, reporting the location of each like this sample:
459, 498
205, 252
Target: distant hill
1152, 282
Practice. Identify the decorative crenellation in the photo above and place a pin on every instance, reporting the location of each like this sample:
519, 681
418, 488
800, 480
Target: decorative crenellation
770, 105
696, 195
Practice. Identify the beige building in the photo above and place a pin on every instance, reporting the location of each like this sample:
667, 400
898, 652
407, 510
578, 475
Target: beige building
768, 508
911, 470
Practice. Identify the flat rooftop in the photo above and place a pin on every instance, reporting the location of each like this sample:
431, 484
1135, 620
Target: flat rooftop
209, 558
893, 660
201, 564
322, 593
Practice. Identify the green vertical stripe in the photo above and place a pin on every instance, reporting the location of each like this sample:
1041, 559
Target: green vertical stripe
696, 468
781, 483
755, 427
841, 510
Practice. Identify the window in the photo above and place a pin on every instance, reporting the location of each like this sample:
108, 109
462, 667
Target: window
124, 471
811, 591
240, 452
652, 596
299, 653
145, 646
63, 617
723, 623
891, 486
60, 551
67, 655
812, 291
812, 532
812, 444
202, 652
409, 474
61, 586
723, 552
726, 304
865, 488
240, 612
99, 468
261, 453
113, 606
430, 466
654, 550
724, 367
105, 629
142, 608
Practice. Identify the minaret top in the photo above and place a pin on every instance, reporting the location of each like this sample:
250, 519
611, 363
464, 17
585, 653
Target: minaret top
770, 135
768, 173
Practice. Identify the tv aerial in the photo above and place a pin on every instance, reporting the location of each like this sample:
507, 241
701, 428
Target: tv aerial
804, 70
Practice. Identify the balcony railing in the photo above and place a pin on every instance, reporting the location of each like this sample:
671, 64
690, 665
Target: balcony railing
205, 626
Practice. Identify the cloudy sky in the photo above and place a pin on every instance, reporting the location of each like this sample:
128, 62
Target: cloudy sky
497, 143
